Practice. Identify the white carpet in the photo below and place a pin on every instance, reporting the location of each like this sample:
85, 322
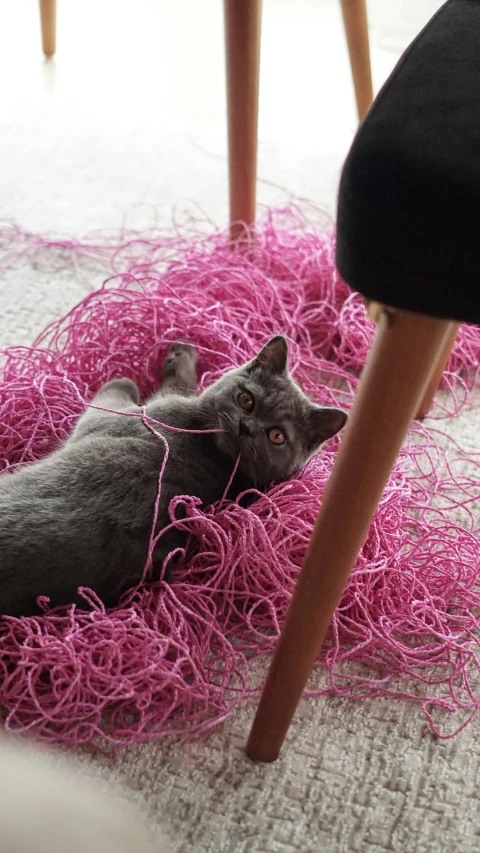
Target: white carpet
133, 112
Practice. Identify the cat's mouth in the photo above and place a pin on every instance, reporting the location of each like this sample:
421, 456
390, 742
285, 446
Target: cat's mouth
233, 441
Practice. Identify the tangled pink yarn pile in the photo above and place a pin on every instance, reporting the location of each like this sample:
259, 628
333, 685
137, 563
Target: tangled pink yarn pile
176, 660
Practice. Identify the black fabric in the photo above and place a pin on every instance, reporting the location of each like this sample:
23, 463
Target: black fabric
409, 201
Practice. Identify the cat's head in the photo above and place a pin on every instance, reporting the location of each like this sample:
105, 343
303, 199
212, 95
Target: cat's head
267, 419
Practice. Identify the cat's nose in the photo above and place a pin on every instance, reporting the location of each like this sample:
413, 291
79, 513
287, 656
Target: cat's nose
243, 429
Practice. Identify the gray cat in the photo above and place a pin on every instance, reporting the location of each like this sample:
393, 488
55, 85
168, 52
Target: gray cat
82, 517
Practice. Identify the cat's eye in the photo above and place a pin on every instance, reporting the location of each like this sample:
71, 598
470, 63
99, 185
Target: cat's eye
245, 401
276, 436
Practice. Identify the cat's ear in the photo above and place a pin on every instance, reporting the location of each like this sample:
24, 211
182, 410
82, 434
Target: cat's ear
273, 356
323, 423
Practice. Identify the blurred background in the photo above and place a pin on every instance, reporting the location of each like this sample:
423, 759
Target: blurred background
132, 108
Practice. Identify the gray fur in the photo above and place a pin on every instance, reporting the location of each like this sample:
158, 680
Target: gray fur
82, 516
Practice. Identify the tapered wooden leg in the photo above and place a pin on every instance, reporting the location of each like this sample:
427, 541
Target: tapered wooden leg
437, 374
48, 19
356, 31
242, 42
401, 360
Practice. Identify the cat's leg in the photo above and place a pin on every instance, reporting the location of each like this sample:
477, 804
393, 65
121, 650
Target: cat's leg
118, 395
179, 374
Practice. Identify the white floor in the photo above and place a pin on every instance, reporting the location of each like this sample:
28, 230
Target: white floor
133, 107
129, 120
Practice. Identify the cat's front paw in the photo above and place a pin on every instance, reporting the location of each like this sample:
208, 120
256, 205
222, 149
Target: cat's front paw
124, 390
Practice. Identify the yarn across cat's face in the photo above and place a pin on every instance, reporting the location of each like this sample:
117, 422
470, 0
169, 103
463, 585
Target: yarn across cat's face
266, 417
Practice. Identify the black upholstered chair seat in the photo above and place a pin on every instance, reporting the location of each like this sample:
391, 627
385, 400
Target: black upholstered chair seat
409, 201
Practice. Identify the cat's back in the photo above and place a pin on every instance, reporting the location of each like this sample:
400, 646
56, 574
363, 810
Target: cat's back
83, 516
84, 476
80, 517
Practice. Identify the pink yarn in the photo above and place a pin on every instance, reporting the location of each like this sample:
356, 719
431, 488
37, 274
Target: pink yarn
174, 659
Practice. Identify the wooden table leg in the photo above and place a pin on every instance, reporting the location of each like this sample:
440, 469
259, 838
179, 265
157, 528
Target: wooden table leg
437, 374
399, 366
242, 42
48, 20
356, 31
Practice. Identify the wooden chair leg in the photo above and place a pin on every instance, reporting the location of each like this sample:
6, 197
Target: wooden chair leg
437, 374
48, 20
356, 31
401, 360
242, 42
